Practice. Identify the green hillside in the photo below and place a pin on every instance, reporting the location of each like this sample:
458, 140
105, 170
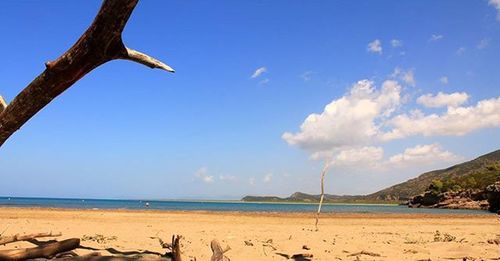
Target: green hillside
474, 174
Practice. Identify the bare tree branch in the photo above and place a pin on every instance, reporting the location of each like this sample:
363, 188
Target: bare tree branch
3, 104
145, 59
101, 43
323, 173
18, 237
46, 251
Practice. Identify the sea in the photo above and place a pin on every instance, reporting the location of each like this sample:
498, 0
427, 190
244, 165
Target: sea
196, 205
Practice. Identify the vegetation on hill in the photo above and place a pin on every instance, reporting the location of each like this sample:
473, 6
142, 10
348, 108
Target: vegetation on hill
474, 174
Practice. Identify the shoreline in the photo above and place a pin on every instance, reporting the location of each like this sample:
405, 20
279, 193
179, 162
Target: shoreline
312, 215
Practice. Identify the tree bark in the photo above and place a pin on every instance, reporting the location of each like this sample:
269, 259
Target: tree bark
18, 237
46, 251
101, 42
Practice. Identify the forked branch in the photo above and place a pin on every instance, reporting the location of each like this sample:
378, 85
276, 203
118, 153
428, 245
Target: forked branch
101, 43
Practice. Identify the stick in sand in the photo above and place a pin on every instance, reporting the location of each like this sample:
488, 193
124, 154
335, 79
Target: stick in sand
326, 166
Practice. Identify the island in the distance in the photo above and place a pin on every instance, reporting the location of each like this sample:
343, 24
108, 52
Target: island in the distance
470, 185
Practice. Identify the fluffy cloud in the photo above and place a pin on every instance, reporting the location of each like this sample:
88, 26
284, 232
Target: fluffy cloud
350, 130
436, 37
202, 173
461, 50
406, 76
259, 72
422, 154
306, 76
396, 43
443, 80
443, 99
348, 121
373, 157
364, 156
496, 4
375, 47
267, 178
483, 43
455, 121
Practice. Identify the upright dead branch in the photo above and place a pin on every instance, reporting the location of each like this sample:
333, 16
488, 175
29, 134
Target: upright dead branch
101, 43
323, 173
218, 252
45, 251
18, 237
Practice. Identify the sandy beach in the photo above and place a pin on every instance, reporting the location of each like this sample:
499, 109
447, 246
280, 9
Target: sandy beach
392, 236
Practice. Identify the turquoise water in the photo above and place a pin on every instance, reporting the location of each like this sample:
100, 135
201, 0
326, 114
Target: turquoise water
218, 206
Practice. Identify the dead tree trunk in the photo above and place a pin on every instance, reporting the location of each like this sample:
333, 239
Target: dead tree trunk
46, 251
102, 42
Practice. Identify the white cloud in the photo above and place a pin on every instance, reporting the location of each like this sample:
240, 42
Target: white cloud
366, 157
350, 129
267, 178
406, 76
375, 47
202, 173
436, 37
251, 181
456, 121
444, 79
461, 50
306, 76
396, 43
259, 72
264, 82
483, 43
349, 120
422, 154
443, 99
496, 4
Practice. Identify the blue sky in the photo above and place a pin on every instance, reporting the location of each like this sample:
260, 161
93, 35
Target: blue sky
211, 130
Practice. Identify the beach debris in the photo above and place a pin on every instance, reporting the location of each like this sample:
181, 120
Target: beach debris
306, 247
364, 252
323, 173
175, 247
101, 239
27, 237
218, 251
445, 237
44, 251
410, 251
248, 243
495, 241
297, 257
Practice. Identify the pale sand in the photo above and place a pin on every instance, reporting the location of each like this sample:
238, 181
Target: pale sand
393, 236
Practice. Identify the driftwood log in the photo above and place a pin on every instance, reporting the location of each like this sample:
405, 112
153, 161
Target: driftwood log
111, 258
45, 251
101, 43
218, 252
20, 237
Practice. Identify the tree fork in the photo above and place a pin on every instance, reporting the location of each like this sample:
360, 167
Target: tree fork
101, 43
